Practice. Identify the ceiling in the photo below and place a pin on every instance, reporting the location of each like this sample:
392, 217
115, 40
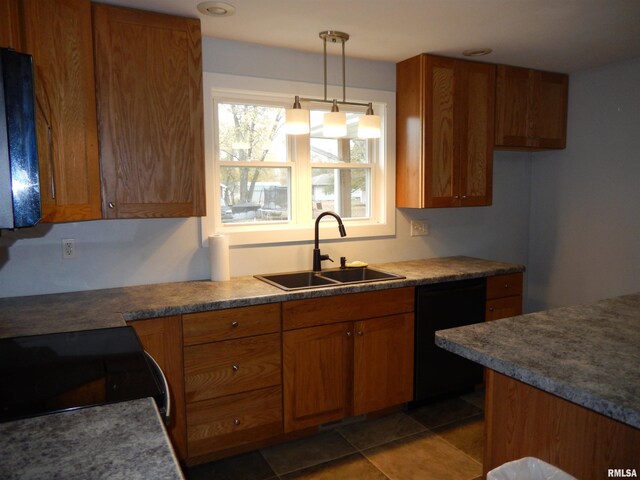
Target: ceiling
556, 35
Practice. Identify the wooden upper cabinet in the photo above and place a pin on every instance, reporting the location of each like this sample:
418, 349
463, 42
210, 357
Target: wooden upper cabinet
150, 113
58, 35
531, 109
10, 25
444, 132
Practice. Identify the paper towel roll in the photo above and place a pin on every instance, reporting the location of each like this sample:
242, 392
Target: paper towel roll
219, 257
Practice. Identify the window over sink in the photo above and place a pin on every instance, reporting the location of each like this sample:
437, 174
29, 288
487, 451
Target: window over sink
264, 186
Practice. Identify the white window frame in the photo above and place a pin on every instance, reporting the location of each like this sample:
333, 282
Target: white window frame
382, 220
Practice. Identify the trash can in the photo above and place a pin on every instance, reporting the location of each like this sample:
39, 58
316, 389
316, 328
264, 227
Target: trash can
528, 468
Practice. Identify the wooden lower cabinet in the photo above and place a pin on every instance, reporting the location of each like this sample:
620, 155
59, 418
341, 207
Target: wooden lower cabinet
162, 339
233, 375
522, 421
234, 420
504, 296
383, 365
348, 367
317, 375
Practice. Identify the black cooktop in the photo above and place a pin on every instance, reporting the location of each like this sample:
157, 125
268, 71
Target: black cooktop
50, 373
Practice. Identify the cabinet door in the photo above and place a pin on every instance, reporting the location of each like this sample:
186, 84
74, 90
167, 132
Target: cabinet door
10, 36
513, 100
550, 110
383, 363
441, 170
58, 35
150, 113
475, 127
162, 339
317, 371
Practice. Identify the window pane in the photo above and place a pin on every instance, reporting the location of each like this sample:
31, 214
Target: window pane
342, 190
251, 194
251, 133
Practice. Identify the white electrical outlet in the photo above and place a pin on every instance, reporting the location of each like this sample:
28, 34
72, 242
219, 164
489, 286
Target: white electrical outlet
68, 247
419, 228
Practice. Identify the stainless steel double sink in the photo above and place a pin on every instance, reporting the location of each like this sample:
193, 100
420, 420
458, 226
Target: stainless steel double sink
326, 278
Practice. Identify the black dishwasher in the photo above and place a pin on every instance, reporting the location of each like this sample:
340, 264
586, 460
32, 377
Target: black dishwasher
438, 373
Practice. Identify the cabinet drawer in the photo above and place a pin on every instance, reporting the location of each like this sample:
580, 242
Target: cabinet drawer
503, 307
216, 369
344, 308
230, 323
233, 420
504, 285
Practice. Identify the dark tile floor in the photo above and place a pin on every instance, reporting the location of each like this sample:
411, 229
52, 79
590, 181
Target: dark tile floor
440, 441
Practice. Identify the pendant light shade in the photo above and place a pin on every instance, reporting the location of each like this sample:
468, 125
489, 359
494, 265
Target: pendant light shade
335, 123
297, 119
369, 124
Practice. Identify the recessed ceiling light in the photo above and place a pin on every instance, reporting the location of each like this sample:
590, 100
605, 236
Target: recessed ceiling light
477, 52
216, 9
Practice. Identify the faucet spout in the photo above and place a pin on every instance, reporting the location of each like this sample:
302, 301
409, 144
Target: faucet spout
317, 257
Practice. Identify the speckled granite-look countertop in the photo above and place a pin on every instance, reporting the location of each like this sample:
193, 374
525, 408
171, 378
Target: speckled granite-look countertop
587, 354
118, 441
62, 312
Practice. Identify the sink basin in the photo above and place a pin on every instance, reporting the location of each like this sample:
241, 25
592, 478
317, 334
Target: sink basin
326, 278
357, 275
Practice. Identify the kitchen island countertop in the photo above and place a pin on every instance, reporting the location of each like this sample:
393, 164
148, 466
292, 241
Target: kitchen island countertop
63, 312
586, 354
121, 440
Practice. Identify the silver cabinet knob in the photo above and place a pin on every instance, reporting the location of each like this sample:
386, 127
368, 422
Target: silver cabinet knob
234, 323
506, 285
236, 421
111, 205
491, 309
360, 332
348, 333
235, 367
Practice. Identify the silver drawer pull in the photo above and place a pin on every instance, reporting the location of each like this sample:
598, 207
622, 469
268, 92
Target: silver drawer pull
235, 367
236, 421
234, 323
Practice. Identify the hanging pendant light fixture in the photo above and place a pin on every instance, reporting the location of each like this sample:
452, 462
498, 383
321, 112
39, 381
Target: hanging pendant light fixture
335, 122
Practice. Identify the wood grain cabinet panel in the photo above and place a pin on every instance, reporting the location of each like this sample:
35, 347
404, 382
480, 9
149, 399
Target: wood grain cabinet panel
10, 25
383, 363
234, 420
58, 33
162, 338
223, 368
317, 375
531, 109
504, 296
358, 359
445, 130
150, 113
231, 323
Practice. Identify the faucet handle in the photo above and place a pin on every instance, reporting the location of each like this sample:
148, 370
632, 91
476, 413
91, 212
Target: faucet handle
325, 256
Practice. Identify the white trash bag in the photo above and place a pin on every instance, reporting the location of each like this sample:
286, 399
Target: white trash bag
528, 468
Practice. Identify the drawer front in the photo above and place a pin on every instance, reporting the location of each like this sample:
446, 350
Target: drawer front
504, 285
230, 323
503, 307
234, 420
345, 308
216, 369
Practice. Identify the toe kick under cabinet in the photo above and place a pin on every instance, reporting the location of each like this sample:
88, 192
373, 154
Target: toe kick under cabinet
232, 378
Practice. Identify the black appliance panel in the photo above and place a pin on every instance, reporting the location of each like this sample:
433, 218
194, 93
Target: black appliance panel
50, 373
19, 178
437, 372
